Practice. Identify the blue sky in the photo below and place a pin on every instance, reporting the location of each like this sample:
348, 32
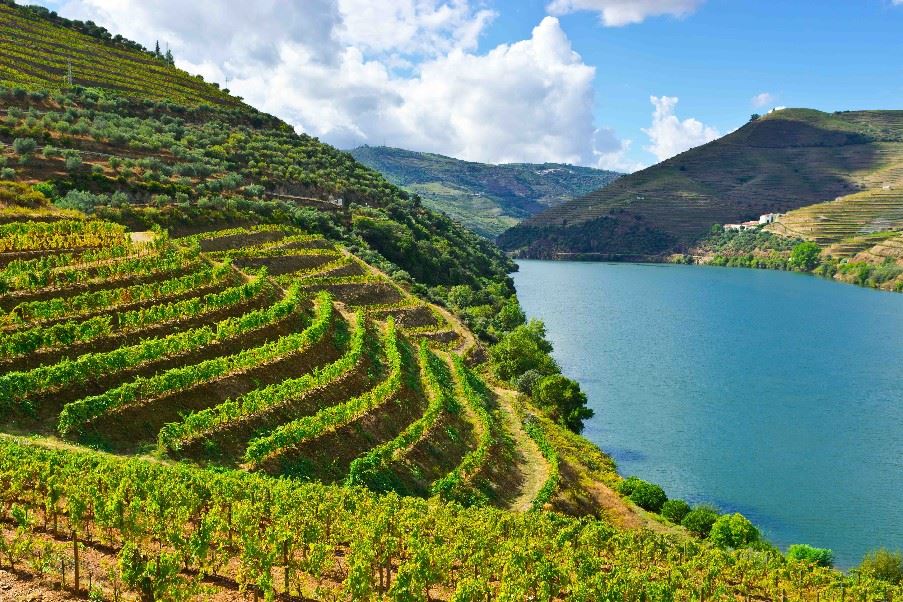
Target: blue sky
529, 80
830, 55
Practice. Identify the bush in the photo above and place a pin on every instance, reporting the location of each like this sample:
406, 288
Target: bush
675, 510
801, 552
804, 256
24, 146
626, 486
524, 348
564, 401
699, 520
733, 531
80, 200
526, 381
73, 160
649, 496
884, 565
7, 173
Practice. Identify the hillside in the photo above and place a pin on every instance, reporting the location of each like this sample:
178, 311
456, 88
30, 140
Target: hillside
783, 161
237, 364
486, 198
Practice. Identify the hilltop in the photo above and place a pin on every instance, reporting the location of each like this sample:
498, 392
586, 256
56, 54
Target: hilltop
486, 198
777, 163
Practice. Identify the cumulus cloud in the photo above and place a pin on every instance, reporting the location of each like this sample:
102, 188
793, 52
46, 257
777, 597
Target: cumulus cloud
617, 13
763, 99
668, 135
401, 72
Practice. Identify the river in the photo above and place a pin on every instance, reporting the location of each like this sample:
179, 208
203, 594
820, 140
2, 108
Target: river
778, 395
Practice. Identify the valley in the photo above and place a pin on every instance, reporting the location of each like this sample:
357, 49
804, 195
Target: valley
237, 363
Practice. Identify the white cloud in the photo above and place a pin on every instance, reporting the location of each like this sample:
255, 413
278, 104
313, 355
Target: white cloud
617, 13
400, 72
762, 99
668, 135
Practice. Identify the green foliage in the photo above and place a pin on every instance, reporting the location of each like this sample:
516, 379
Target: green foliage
24, 146
699, 520
675, 510
648, 496
456, 484
535, 430
77, 414
527, 381
309, 427
562, 398
801, 552
166, 517
804, 256
487, 199
627, 486
733, 531
197, 425
524, 348
883, 565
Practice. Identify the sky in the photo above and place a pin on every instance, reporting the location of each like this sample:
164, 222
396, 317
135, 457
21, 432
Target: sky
614, 84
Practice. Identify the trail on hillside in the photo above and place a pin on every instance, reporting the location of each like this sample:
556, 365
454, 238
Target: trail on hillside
529, 460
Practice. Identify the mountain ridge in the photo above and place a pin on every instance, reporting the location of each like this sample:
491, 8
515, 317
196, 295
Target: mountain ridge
487, 198
782, 161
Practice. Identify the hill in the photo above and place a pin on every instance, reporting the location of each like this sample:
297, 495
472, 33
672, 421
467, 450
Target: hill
229, 369
783, 161
486, 198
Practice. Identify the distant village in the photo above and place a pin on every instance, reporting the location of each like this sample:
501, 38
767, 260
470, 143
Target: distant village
767, 218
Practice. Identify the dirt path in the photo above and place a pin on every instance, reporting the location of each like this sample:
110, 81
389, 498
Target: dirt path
142, 237
531, 463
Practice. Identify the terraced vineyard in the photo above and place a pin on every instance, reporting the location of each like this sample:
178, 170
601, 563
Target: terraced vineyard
220, 376
791, 160
92, 63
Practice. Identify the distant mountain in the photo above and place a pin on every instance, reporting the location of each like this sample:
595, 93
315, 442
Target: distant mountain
486, 198
777, 163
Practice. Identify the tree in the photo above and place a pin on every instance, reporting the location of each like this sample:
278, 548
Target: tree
73, 160
733, 531
884, 565
157, 50
169, 58
649, 496
24, 146
675, 510
805, 256
564, 401
699, 520
524, 348
801, 552
755, 117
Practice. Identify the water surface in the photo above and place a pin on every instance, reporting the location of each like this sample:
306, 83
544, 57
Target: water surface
774, 394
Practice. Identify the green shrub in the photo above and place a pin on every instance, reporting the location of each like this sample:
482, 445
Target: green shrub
24, 146
699, 520
7, 173
801, 552
733, 531
73, 160
526, 381
649, 496
884, 565
675, 510
562, 398
626, 486
805, 256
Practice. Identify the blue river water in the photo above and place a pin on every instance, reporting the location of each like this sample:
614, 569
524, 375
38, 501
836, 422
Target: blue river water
778, 395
